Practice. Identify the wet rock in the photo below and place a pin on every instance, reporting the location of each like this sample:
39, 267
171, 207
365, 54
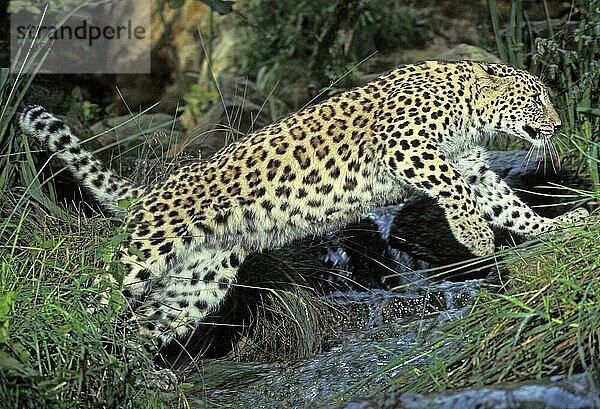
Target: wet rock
384, 326
421, 229
391, 244
361, 310
575, 392
517, 169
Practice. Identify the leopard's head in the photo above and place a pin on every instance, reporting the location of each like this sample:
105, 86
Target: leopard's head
515, 102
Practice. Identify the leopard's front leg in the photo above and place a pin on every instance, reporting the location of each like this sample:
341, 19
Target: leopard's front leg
432, 174
502, 207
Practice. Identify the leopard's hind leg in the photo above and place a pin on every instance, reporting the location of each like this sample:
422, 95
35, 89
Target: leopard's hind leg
194, 283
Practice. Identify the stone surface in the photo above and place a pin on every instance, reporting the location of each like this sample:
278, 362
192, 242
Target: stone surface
369, 329
468, 52
241, 109
574, 392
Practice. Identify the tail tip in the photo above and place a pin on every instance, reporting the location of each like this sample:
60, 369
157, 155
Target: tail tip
29, 115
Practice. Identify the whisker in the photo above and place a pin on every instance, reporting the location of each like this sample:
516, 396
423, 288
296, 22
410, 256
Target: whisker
553, 156
545, 157
537, 158
528, 156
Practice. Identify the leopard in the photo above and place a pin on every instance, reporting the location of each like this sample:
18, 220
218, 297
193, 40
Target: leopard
419, 128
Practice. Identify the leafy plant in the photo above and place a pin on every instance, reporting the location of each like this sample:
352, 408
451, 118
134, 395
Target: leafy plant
569, 62
300, 41
199, 99
81, 108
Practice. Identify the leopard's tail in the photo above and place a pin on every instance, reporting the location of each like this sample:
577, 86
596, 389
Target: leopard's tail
107, 187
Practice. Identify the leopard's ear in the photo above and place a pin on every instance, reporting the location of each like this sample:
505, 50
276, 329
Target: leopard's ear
487, 80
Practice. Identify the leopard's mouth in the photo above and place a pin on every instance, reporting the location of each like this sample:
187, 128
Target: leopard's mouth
537, 134
533, 134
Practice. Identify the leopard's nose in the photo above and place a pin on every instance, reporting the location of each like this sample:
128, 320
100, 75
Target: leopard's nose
557, 125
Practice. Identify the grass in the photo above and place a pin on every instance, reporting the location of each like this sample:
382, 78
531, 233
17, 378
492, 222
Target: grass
544, 320
290, 320
569, 62
53, 352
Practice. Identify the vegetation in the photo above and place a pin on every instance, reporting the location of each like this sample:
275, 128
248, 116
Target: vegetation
569, 61
309, 40
53, 352
543, 321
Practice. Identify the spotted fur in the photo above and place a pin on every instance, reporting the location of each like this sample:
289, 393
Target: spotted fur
416, 128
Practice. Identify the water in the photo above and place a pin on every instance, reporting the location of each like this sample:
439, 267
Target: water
370, 329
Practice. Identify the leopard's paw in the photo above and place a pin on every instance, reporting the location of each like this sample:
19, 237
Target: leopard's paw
569, 218
163, 380
574, 216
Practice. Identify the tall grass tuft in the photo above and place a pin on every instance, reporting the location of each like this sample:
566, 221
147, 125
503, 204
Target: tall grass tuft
569, 61
509, 43
53, 351
545, 321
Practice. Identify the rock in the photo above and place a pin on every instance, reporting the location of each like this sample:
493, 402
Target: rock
575, 392
361, 252
436, 51
391, 245
242, 108
361, 310
369, 330
468, 52
421, 229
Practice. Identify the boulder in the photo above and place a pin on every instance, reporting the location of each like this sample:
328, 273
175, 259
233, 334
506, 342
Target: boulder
576, 391
242, 108
468, 52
